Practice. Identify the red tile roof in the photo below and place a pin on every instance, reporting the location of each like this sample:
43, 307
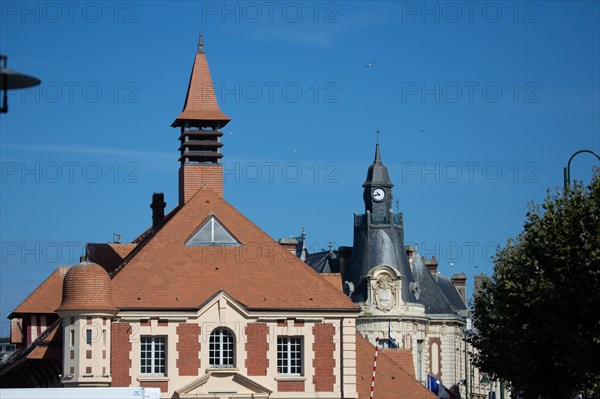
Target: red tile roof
392, 381
165, 273
87, 286
403, 358
334, 279
200, 101
46, 297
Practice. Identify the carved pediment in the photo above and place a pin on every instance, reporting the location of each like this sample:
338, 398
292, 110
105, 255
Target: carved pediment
223, 383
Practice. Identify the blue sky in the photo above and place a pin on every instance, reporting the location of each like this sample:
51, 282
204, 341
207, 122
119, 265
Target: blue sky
479, 105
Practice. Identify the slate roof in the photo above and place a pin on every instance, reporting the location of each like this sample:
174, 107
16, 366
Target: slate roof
378, 172
392, 380
165, 273
324, 262
449, 290
431, 296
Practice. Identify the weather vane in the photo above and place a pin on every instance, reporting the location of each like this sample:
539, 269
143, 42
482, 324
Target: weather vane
377, 132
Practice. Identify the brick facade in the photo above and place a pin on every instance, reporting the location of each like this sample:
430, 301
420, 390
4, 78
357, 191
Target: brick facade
324, 362
290, 386
188, 348
120, 362
257, 346
162, 385
194, 177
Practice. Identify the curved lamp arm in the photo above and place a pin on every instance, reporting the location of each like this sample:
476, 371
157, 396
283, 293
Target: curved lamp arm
567, 170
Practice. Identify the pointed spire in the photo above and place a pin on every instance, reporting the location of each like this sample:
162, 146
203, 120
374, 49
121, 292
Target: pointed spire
200, 44
378, 173
377, 156
201, 107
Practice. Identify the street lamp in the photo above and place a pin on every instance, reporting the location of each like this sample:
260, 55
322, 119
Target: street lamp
11, 80
567, 170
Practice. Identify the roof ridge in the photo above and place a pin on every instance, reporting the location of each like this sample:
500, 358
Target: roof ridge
144, 241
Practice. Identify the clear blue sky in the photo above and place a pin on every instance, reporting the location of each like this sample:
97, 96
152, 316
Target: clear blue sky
480, 107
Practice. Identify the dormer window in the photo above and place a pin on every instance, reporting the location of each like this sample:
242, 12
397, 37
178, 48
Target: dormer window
212, 233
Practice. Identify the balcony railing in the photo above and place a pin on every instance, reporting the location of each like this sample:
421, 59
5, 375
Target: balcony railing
377, 218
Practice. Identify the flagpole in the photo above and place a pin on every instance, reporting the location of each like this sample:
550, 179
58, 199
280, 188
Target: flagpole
374, 367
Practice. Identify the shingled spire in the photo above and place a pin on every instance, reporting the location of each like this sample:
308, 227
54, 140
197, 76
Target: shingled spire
200, 137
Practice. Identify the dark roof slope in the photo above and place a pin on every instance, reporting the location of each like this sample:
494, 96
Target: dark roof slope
450, 292
431, 296
324, 262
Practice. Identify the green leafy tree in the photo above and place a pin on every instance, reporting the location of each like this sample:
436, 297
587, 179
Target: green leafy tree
537, 320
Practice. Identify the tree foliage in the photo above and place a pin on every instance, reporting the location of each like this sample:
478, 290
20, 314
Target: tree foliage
537, 320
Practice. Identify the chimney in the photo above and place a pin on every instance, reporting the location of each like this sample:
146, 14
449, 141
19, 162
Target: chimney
460, 282
158, 210
432, 265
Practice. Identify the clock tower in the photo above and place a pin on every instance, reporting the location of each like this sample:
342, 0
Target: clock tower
377, 192
379, 275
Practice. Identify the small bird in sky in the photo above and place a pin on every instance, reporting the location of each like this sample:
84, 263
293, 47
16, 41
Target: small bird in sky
295, 150
422, 130
370, 64
231, 132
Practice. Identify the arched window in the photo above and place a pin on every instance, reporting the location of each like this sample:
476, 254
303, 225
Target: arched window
221, 348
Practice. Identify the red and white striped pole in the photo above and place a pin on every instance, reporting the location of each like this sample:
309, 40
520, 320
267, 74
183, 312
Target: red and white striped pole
374, 366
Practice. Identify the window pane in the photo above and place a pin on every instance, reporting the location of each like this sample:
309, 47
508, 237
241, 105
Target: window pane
289, 355
153, 355
221, 348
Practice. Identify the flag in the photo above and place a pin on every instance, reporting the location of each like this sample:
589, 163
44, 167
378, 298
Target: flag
438, 388
391, 341
433, 384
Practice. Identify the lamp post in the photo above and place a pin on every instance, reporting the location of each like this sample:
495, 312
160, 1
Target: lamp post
11, 80
567, 170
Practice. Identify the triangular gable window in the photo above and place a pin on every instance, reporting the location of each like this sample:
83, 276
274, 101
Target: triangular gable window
212, 233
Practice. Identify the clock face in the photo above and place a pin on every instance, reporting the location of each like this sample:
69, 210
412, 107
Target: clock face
378, 194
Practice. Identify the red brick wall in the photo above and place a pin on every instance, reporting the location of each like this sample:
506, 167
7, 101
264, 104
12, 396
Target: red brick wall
324, 362
290, 386
257, 346
193, 177
188, 348
162, 385
120, 348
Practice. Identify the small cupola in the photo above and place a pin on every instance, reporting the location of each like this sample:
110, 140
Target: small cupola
87, 287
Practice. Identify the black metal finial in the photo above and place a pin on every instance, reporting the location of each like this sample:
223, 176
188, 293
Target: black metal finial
200, 44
